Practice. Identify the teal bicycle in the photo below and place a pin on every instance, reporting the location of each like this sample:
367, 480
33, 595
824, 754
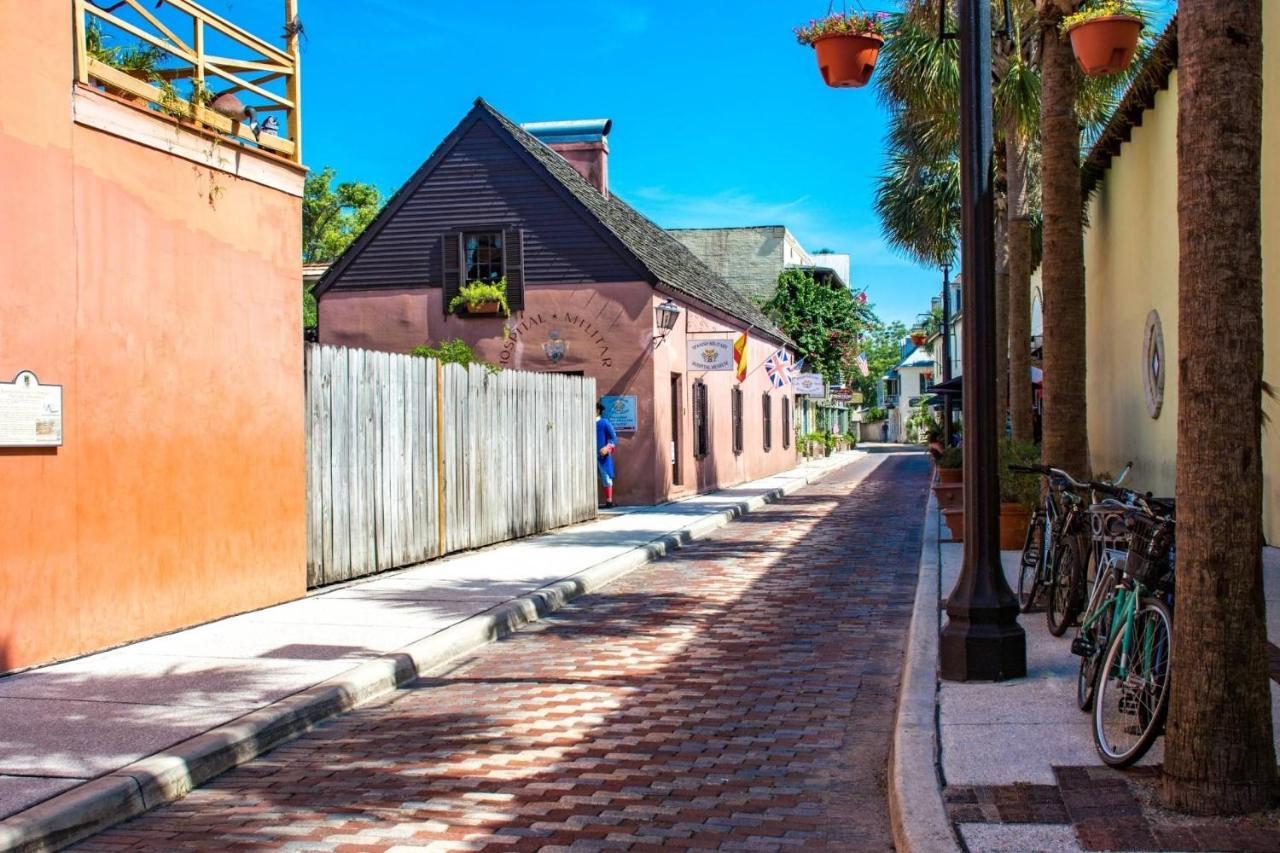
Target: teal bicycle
1131, 690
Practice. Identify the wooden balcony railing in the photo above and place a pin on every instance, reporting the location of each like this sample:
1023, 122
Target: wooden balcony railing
188, 77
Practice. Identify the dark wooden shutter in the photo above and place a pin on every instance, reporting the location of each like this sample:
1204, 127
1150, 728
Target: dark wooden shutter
513, 267
766, 419
736, 405
451, 254
700, 420
786, 423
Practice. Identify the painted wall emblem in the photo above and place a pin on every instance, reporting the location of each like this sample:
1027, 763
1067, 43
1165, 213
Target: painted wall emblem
555, 347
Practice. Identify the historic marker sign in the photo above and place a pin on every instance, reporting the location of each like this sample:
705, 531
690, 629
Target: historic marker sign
30, 413
621, 411
710, 354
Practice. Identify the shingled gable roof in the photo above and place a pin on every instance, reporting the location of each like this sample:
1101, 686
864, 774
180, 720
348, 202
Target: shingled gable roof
663, 256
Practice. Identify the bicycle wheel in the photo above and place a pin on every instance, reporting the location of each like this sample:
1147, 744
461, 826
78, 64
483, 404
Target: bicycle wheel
1133, 687
1066, 587
1094, 636
1033, 560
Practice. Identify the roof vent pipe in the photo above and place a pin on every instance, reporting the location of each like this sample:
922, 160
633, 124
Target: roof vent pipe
581, 142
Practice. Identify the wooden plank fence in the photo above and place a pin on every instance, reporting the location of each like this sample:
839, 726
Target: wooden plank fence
409, 459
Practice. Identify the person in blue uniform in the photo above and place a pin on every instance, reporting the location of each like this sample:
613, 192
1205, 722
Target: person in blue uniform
606, 442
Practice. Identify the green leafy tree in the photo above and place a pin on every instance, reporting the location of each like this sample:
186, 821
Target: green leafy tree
822, 318
881, 344
332, 216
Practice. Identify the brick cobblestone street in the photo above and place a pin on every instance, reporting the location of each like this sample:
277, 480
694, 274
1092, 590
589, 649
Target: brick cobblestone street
736, 695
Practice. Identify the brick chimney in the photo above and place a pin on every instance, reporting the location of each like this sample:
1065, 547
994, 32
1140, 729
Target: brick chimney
582, 143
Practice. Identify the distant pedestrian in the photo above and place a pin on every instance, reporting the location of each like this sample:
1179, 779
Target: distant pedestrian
606, 443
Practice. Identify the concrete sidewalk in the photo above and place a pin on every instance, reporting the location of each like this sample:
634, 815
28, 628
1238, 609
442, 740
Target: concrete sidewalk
89, 742
1012, 766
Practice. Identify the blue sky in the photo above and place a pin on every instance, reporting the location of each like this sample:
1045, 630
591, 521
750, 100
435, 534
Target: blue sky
720, 118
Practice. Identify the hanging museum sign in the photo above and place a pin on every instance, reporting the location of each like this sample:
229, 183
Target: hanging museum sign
30, 413
846, 395
713, 354
809, 385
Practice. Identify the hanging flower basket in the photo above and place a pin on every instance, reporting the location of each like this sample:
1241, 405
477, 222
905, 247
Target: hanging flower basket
1104, 37
918, 337
847, 46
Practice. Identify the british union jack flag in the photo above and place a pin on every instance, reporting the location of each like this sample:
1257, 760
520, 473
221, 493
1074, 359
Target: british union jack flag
778, 368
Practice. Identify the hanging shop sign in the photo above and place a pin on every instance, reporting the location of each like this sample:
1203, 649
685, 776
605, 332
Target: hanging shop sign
30, 413
712, 354
621, 412
809, 385
846, 395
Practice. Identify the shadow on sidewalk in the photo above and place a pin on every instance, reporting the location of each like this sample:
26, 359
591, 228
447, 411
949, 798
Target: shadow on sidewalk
755, 703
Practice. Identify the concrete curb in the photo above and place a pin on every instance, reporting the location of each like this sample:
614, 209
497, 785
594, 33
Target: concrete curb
158, 779
916, 809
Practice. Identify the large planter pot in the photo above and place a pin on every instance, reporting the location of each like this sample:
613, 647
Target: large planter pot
846, 61
950, 475
954, 518
1014, 519
949, 495
1105, 45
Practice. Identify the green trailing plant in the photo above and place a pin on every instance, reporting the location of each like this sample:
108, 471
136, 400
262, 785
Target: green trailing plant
875, 413
1021, 489
479, 292
823, 319
1102, 9
843, 24
456, 351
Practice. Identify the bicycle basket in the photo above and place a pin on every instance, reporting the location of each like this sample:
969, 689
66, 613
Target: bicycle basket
1149, 542
1107, 523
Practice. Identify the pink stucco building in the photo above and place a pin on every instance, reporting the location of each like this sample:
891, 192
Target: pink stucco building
585, 273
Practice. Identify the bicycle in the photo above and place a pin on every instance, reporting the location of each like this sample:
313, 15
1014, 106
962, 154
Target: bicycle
1132, 684
1054, 555
1110, 548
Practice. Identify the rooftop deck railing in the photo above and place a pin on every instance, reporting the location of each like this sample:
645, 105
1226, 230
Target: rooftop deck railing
181, 78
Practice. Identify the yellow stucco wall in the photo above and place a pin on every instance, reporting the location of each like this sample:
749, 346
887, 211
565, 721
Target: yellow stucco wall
1131, 267
1271, 266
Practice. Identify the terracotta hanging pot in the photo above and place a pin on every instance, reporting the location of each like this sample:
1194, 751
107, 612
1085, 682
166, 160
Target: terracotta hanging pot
1105, 45
847, 61
918, 338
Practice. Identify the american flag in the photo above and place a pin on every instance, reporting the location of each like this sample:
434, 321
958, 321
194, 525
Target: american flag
777, 366
863, 367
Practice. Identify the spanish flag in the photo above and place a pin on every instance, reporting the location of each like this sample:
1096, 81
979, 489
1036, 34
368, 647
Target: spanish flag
740, 356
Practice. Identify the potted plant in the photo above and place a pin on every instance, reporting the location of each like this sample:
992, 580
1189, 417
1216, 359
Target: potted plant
918, 336
951, 465
847, 46
1019, 493
481, 297
1104, 35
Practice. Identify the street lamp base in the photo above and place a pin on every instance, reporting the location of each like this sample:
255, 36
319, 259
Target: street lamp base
982, 651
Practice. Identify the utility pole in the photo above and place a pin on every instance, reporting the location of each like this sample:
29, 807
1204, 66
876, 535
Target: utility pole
982, 640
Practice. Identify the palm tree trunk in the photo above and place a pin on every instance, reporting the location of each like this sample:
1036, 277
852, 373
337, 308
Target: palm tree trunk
1019, 240
1219, 755
1066, 424
1002, 296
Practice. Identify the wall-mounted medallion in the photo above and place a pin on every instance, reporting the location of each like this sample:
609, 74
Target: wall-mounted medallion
555, 347
1153, 364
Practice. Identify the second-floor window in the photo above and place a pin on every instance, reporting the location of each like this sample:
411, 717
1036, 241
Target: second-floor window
483, 256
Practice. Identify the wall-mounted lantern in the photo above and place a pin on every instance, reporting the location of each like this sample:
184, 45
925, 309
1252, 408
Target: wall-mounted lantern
665, 316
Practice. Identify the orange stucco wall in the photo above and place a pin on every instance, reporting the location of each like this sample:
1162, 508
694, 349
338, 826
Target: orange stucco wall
607, 331
170, 316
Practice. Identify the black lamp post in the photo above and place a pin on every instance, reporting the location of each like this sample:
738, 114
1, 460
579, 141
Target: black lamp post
946, 352
664, 317
982, 640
